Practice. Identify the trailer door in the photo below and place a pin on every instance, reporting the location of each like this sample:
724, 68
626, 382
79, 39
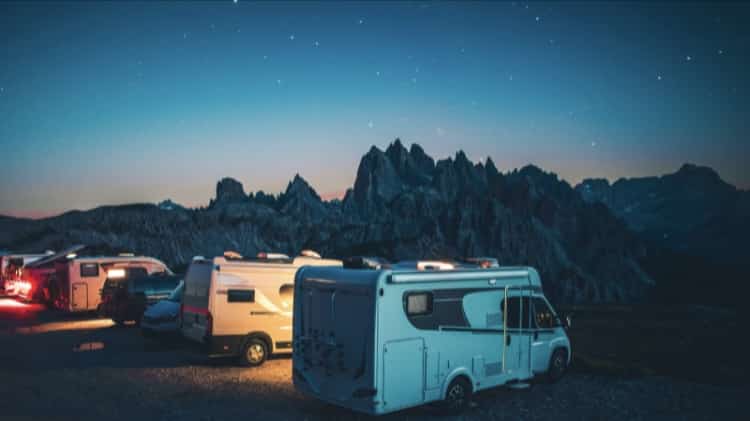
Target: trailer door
80, 296
403, 373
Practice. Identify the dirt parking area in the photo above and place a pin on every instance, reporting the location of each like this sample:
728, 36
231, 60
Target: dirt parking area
62, 367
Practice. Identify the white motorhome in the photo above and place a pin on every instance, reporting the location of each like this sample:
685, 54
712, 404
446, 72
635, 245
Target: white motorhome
77, 282
381, 339
243, 307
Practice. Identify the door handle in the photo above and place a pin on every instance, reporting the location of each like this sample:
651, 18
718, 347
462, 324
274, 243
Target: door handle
507, 340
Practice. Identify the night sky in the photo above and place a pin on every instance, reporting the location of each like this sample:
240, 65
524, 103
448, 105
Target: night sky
113, 103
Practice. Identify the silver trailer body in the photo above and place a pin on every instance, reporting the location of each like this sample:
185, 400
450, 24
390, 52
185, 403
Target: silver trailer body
378, 341
229, 302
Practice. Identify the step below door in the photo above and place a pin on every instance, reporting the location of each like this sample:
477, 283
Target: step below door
403, 373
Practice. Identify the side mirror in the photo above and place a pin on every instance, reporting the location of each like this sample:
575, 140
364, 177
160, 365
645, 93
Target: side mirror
567, 321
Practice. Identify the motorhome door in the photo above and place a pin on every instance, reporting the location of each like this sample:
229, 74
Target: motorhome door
517, 336
80, 296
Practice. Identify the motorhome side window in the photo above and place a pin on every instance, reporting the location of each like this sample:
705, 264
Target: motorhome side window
419, 304
89, 269
240, 296
543, 316
519, 312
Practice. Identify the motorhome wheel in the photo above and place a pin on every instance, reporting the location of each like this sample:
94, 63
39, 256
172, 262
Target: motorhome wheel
557, 365
458, 395
254, 353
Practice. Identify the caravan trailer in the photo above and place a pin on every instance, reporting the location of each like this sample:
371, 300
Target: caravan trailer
243, 307
11, 271
382, 340
78, 282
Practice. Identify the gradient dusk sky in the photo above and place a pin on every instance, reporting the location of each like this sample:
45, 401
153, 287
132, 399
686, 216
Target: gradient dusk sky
117, 102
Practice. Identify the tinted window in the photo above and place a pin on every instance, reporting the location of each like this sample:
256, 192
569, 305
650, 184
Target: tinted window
516, 318
89, 269
419, 304
240, 296
544, 318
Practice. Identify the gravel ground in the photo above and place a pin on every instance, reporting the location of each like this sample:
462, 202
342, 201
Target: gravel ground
77, 368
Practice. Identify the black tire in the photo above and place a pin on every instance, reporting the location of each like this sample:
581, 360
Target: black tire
558, 365
254, 352
457, 396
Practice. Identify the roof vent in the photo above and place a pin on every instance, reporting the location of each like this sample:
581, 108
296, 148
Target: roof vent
483, 262
434, 265
365, 262
232, 255
272, 256
309, 253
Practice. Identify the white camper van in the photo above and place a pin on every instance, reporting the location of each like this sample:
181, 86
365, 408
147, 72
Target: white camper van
384, 339
78, 282
243, 307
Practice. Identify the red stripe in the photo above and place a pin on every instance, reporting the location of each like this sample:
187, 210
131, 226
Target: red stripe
197, 310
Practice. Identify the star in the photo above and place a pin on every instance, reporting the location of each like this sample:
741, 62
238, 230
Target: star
720, 52
361, 21
463, 50
510, 77
658, 77
316, 43
370, 124
265, 57
593, 144
235, 1
291, 37
688, 58
184, 35
377, 73
413, 80
416, 70
537, 18
278, 81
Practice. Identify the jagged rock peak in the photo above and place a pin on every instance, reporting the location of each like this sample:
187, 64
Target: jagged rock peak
377, 179
697, 171
422, 161
229, 190
490, 167
300, 187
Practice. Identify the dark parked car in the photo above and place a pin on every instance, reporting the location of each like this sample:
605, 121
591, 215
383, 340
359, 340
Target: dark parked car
126, 298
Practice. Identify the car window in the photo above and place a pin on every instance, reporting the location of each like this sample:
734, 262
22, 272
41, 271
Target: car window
544, 318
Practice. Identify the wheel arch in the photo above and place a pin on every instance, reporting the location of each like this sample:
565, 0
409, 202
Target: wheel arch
458, 372
265, 337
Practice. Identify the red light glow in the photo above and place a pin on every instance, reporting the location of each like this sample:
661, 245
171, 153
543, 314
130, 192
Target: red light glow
7, 302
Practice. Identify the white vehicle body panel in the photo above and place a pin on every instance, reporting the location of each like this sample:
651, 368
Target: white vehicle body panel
228, 301
355, 345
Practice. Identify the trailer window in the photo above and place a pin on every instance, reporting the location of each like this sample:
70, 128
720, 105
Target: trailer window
419, 304
240, 296
89, 270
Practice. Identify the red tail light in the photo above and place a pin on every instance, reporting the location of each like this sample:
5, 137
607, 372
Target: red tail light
209, 324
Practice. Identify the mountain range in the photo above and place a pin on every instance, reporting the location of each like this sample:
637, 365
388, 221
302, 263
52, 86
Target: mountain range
588, 242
